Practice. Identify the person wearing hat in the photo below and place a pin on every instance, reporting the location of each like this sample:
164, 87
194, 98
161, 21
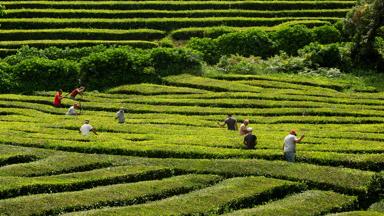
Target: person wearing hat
250, 140
120, 115
86, 128
289, 146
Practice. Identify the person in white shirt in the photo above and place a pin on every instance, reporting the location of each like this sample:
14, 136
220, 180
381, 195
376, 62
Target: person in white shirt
289, 146
72, 109
86, 128
120, 115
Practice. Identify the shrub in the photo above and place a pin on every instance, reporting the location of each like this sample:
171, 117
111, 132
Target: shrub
207, 47
327, 34
115, 67
331, 55
53, 53
246, 43
166, 42
291, 39
239, 65
6, 82
43, 74
171, 61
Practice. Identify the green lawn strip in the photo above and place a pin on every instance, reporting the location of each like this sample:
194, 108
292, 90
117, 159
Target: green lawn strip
229, 194
16, 186
358, 213
60, 162
180, 5
378, 206
76, 43
312, 202
153, 89
112, 195
343, 180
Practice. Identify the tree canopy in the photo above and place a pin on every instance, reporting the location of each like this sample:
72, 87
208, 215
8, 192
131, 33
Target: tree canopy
364, 24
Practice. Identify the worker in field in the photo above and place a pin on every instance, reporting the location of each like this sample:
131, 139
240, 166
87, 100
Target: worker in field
289, 146
243, 127
72, 109
75, 92
58, 98
120, 115
86, 128
231, 122
250, 140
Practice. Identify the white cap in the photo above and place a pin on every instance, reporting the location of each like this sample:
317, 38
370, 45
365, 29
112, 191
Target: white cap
249, 129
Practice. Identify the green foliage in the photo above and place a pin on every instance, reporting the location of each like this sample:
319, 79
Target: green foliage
363, 26
2, 11
239, 65
53, 53
310, 202
291, 39
208, 47
40, 73
332, 55
326, 34
227, 195
168, 61
6, 79
114, 67
111, 195
202, 32
246, 43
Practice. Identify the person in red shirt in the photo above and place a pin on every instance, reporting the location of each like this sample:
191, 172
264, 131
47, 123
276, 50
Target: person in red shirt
58, 98
76, 91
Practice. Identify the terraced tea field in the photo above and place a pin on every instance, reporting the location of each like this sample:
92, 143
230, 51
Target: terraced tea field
172, 158
44, 23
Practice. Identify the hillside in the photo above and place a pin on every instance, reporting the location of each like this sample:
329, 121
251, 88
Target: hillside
141, 23
171, 157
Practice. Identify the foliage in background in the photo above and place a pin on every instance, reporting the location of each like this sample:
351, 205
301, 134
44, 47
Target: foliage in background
290, 40
246, 43
2, 11
256, 42
114, 67
41, 74
98, 67
363, 26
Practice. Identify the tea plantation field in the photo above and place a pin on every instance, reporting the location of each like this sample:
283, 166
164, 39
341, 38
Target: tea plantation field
172, 158
44, 23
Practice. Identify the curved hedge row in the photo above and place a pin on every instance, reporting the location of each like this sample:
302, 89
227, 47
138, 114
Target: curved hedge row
114, 14
180, 5
151, 23
82, 34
